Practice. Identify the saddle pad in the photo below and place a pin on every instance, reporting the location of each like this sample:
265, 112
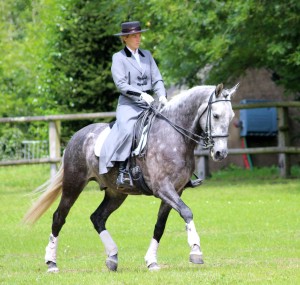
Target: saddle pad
100, 140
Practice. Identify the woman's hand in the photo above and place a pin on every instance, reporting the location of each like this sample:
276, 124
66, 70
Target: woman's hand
146, 97
163, 100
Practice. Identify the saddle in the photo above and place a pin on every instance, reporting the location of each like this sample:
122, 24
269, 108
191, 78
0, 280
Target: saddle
138, 148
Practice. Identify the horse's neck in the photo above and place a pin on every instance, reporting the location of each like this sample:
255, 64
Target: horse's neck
184, 109
181, 111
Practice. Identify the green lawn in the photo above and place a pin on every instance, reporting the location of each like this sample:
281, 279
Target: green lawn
249, 223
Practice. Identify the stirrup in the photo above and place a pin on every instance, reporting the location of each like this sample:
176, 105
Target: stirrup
123, 179
196, 182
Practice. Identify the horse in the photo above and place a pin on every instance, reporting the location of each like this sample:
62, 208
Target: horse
201, 114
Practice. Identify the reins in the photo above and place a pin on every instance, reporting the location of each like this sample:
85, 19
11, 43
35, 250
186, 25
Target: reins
180, 129
207, 138
147, 117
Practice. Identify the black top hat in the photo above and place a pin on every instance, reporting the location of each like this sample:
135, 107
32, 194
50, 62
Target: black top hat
129, 28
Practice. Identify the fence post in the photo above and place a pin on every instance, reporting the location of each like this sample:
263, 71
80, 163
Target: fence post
54, 144
283, 141
202, 167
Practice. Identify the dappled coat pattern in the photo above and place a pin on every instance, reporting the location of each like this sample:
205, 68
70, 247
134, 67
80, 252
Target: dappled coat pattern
167, 167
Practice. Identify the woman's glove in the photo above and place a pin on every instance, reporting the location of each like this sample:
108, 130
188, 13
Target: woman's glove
163, 100
146, 97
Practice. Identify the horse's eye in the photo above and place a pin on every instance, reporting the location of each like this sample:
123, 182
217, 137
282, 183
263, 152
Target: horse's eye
216, 116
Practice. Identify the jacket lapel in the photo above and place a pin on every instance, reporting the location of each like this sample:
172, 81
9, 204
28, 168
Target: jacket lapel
132, 60
143, 61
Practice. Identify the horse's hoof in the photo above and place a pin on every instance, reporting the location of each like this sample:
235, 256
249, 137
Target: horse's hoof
196, 259
52, 267
153, 267
112, 262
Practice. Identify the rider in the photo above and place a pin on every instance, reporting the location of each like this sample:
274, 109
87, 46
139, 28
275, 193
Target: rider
137, 77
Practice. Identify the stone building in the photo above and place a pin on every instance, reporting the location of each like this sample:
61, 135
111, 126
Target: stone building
258, 84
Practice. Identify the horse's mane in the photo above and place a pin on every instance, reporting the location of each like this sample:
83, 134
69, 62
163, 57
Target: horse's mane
196, 94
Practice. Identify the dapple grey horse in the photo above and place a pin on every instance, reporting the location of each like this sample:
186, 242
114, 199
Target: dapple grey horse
202, 113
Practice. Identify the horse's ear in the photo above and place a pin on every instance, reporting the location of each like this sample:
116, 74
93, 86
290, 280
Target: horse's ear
233, 89
219, 89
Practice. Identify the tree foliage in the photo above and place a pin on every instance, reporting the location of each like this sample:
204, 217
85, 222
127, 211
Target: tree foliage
56, 54
212, 41
81, 75
25, 39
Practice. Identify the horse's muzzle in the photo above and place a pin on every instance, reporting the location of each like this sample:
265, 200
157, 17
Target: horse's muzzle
218, 155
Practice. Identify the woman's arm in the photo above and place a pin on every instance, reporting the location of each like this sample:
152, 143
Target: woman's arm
122, 78
156, 78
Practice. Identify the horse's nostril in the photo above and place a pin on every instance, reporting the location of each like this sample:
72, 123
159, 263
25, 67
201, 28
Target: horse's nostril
220, 154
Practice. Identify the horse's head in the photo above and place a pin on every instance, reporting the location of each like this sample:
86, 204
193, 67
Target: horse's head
215, 120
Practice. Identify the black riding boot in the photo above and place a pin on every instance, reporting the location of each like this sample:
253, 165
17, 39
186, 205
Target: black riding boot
123, 179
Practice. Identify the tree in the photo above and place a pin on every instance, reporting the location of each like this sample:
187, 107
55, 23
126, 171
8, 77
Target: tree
24, 52
81, 77
56, 54
224, 38
264, 34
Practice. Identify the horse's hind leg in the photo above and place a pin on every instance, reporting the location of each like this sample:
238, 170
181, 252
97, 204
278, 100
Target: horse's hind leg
110, 203
71, 190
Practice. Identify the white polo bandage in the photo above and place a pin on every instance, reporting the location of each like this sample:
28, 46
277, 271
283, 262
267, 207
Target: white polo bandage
51, 249
193, 237
109, 244
150, 256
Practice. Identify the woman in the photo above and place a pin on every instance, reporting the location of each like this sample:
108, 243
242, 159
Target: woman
137, 77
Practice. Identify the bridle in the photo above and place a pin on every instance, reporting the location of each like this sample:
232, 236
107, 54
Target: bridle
206, 139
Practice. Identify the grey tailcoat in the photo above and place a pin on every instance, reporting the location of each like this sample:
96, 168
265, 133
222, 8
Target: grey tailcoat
131, 79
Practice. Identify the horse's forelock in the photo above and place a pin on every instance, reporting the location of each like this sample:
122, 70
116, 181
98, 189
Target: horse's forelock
226, 94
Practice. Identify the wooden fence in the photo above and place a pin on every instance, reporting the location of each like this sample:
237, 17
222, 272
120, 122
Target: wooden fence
54, 135
283, 148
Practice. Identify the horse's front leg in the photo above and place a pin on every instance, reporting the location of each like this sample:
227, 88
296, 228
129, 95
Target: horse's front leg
172, 198
151, 255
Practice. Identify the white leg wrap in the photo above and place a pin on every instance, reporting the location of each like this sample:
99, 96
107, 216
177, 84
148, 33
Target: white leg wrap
51, 249
150, 256
110, 246
193, 237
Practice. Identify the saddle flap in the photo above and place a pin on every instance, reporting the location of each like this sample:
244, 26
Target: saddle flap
141, 131
142, 142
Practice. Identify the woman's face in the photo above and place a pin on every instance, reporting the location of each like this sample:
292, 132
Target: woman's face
133, 41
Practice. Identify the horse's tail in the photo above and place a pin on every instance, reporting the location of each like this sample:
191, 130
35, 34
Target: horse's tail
51, 190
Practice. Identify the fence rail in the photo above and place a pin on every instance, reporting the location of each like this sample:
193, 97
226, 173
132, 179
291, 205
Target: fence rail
283, 148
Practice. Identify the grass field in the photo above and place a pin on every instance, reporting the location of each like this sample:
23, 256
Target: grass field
249, 223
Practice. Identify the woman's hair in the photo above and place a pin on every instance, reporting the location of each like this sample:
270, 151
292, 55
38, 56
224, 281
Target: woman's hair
122, 39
